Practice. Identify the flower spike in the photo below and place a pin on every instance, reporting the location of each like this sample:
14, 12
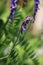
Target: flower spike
26, 21
13, 8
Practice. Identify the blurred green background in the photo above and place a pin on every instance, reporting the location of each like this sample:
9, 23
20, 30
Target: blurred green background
8, 36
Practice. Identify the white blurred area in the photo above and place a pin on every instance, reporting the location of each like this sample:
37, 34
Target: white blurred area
40, 51
38, 23
37, 28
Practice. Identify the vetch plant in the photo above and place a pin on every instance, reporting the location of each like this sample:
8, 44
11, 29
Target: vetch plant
26, 21
23, 27
13, 8
14, 46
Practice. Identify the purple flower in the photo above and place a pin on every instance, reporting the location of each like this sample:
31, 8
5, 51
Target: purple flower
36, 8
26, 21
13, 8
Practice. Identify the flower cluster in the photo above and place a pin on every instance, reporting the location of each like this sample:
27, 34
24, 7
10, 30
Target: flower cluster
13, 8
26, 21
36, 7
